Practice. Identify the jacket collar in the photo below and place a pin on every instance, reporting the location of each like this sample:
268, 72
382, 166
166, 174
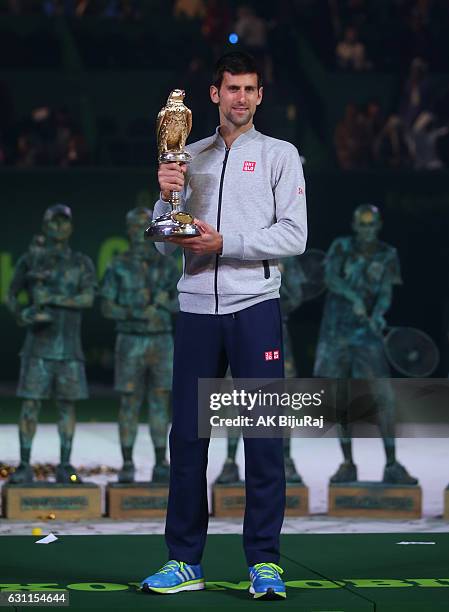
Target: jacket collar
241, 141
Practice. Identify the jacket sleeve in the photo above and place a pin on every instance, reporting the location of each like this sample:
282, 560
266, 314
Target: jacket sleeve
287, 236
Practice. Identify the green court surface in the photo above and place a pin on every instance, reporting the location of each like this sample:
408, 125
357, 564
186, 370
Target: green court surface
324, 573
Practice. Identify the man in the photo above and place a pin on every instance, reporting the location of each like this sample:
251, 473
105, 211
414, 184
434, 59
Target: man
60, 284
247, 194
137, 293
360, 274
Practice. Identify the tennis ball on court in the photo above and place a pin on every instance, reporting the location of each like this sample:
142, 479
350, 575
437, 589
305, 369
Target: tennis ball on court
73, 478
36, 531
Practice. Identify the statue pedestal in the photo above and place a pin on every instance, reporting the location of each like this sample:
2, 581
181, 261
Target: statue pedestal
136, 500
446, 504
229, 500
375, 500
42, 500
296, 499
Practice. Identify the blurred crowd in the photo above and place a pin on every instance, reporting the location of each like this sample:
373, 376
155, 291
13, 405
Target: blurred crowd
75, 8
405, 38
47, 137
386, 35
415, 136
51, 136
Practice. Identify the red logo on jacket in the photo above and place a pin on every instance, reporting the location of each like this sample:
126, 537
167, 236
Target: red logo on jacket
248, 166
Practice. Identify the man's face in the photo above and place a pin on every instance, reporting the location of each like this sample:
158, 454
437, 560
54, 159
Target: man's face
237, 98
59, 228
366, 227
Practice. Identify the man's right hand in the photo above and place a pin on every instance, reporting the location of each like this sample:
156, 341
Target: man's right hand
32, 315
171, 178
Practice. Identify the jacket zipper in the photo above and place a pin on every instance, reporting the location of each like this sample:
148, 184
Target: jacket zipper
217, 258
266, 268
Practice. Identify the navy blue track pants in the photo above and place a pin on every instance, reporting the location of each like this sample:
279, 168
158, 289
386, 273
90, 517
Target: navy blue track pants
204, 347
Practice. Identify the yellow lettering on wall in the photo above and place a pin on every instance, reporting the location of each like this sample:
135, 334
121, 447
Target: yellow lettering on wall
6, 273
108, 249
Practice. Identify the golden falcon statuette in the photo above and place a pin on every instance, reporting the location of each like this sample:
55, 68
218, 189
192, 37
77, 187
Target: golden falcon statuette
174, 123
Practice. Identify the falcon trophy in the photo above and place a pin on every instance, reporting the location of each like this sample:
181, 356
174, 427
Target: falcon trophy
174, 123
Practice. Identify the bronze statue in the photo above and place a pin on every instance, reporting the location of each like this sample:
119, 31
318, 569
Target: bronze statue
360, 274
139, 293
59, 284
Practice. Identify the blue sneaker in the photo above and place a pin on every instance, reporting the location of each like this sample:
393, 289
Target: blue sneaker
266, 582
173, 577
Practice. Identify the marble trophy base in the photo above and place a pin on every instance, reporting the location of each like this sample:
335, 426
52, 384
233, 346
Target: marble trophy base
48, 500
375, 500
228, 500
446, 504
136, 500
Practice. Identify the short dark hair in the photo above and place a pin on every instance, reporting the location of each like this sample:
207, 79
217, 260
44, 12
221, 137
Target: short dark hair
236, 62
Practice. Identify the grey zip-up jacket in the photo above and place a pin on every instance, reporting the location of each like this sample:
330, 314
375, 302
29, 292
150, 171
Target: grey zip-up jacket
254, 194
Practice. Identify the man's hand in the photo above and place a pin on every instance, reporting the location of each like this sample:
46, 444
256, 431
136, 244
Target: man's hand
209, 240
171, 178
32, 315
377, 323
28, 315
359, 308
42, 296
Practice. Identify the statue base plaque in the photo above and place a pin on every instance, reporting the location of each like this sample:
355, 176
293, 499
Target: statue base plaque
229, 500
48, 500
296, 499
446, 504
136, 500
375, 500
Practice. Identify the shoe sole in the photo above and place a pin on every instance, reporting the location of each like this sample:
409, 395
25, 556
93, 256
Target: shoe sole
269, 595
198, 586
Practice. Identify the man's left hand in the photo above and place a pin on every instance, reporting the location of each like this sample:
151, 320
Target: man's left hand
209, 240
42, 296
377, 323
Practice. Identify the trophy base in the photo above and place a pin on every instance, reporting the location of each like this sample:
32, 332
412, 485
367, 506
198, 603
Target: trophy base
45, 500
446, 504
375, 500
176, 224
136, 500
296, 499
228, 500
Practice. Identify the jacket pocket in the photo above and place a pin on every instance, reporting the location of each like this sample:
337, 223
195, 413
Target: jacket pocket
266, 268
